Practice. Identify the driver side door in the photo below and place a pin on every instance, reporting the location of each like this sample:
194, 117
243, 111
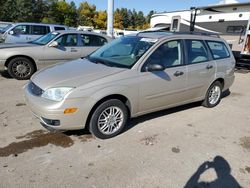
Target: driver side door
68, 49
161, 89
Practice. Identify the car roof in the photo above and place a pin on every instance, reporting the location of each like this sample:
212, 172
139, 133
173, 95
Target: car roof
183, 35
28, 23
80, 32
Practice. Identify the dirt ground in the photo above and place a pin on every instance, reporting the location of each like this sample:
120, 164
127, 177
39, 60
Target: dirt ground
186, 147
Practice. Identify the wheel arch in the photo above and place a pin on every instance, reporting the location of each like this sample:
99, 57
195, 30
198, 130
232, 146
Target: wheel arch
24, 56
120, 97
221, 80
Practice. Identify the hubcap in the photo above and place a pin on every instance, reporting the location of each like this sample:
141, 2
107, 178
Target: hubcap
214, 95
21, 68
110, 120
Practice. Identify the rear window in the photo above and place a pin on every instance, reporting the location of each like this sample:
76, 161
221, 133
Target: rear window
218, 49
93, 40
40, 30
59, 28
235, 29
196, 51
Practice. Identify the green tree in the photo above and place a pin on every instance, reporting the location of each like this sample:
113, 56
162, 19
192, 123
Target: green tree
86, 14
125, 17
66, 13
118, 19
8, 11
50, 11
100, 20
140, 21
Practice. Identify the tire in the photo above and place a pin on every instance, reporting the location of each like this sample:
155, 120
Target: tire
211, 100
105, 123
21, 68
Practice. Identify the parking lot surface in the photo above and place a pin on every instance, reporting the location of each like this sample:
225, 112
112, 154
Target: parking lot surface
186, 147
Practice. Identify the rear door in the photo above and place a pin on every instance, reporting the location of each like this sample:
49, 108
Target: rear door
90, 43
201, 68
37, 31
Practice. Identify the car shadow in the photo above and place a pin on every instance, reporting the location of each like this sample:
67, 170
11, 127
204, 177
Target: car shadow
135, 121
242, 69
5, 74
223, 171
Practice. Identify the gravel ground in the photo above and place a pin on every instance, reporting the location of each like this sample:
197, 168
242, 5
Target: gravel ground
186, 147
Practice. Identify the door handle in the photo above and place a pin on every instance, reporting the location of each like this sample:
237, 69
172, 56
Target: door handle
209, 67
178, 73
73, 50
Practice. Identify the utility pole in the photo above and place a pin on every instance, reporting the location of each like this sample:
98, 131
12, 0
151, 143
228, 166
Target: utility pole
110, 18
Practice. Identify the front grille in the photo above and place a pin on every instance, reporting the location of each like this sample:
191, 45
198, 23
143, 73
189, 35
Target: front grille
34, 89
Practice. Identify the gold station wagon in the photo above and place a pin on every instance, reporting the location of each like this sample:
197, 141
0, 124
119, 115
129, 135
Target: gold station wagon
129, 77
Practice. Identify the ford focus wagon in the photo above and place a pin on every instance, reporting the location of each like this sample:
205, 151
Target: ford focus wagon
129, 77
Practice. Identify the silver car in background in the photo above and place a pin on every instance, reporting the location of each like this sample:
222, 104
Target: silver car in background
132, 76
22, 60
26, 32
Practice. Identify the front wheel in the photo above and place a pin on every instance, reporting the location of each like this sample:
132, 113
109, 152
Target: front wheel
108, 119
213, 95
21, 68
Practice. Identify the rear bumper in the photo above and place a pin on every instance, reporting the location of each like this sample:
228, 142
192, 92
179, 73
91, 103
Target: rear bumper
228, 82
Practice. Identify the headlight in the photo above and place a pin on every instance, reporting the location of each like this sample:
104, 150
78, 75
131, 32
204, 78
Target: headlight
56, 94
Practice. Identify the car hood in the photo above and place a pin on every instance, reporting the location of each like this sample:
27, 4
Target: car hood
16, 45
72, 74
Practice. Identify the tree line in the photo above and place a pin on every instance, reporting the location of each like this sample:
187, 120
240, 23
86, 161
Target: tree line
62, 12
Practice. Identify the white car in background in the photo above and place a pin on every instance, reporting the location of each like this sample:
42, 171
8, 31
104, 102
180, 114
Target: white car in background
26, 32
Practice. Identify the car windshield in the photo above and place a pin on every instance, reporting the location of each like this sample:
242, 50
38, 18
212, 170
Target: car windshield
3, 30
45, 39
123, 52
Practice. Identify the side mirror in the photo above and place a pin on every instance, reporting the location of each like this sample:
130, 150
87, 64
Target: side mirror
54, 44
155, 67
11, 32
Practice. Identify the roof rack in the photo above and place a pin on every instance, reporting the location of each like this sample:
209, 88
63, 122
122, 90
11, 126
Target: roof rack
199, 33
188, 33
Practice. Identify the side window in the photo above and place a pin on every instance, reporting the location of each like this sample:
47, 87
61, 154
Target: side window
218, 49
59, 28
235, 29
22, 29
67, 40
39, 30
175, 24
93, 40
196, 51
168, 54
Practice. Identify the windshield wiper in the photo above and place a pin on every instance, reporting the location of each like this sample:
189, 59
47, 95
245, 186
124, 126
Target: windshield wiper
107, 63
99, 61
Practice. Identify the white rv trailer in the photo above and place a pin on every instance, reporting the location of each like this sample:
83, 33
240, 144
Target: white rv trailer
229, 21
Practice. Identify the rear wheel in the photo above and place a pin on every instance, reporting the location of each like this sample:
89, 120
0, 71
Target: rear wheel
21, 68
213, 95
108, 119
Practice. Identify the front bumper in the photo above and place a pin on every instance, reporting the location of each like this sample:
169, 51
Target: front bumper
49, 112
2, 67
